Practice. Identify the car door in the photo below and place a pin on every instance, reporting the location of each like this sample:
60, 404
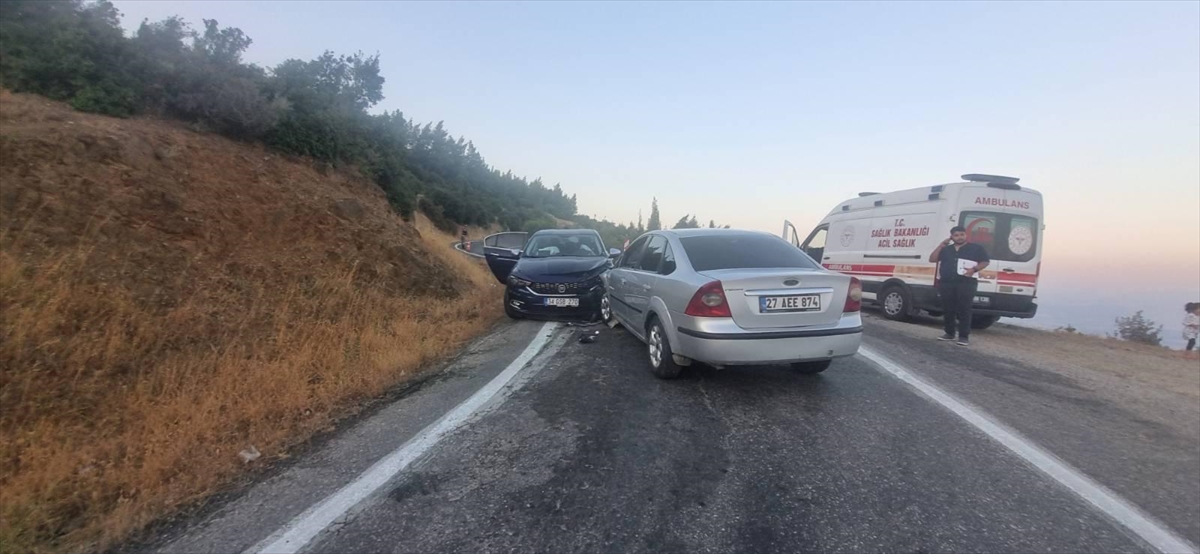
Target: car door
814, 245
641, 278
502, 250
619, 279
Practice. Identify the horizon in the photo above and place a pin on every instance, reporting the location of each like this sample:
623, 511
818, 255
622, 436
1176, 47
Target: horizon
749, 114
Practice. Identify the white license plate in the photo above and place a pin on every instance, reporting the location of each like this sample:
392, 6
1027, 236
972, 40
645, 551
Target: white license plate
563, 302
801, 303
983, 300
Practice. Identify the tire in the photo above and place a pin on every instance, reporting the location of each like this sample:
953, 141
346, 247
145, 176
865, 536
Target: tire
811, 368
983, 321
605, 309
658, 348
896, 302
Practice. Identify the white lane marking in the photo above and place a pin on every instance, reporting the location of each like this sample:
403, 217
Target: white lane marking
1115, 507
301, 530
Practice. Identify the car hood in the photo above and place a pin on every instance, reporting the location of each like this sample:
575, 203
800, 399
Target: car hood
559, 269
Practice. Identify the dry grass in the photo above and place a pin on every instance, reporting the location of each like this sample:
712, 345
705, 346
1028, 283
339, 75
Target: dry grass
115, 415
158, 316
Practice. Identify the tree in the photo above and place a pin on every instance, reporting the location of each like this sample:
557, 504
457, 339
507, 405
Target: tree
76, 51
1137, 328
712, 224
686, 222
655, 222
68, 51
223, 46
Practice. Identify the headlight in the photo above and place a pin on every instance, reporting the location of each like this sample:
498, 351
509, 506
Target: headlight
517, 281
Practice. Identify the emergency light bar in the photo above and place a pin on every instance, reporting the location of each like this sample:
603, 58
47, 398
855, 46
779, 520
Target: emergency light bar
997, 179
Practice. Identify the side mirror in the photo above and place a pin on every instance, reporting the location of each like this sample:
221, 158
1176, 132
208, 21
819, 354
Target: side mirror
614, 252
515, 253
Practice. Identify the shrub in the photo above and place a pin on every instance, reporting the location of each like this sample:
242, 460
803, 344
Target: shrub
233, 107
537, 224
1137, 328
435, 214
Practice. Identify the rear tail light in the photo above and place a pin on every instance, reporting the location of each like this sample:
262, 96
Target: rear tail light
853, 296
1037, 276
709, 301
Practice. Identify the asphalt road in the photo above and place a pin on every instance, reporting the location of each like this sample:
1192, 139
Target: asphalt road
587, 452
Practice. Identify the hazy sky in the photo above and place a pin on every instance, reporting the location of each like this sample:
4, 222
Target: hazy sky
751, 113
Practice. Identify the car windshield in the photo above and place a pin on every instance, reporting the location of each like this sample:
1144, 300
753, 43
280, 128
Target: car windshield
557, 245
743, 251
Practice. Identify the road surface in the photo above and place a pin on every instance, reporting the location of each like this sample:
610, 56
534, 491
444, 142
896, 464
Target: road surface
582, 450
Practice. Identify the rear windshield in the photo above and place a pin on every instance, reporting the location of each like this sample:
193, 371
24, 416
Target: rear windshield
743, 252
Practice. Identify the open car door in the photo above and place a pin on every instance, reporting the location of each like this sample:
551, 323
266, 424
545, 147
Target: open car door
502, 250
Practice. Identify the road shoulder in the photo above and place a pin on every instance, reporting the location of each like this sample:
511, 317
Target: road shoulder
242, 518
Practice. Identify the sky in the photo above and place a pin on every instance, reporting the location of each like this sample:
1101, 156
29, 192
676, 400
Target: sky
752, 113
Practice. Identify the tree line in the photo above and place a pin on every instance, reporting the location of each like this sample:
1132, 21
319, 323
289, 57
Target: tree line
615, 234
77, 52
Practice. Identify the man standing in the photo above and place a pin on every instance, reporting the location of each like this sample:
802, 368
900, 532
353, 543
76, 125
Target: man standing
957, 270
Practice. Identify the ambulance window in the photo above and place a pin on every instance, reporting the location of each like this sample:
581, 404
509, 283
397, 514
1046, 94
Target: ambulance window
1006, 237
981, 230
1021, 237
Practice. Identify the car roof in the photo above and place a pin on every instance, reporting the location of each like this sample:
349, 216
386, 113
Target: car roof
565, 231
685, 233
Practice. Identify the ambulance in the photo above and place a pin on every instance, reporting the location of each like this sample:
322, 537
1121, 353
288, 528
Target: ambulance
885, 240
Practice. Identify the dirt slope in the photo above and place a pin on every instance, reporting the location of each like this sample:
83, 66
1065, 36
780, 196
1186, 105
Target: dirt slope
169, 299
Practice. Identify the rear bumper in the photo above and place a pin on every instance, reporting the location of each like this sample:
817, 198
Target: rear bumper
998, 303
533, 306
729, 345
1021, 308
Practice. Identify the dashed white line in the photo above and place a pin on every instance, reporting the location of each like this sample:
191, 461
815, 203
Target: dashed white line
1122, 511
301, 530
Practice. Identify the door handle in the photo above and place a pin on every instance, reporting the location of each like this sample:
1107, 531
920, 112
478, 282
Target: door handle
825, 258
1009, 270
645, 287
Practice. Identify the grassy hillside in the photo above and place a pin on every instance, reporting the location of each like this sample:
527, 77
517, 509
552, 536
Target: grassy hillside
171, 299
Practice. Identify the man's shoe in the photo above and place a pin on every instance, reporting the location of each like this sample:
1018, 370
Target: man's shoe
946, 337
963, 342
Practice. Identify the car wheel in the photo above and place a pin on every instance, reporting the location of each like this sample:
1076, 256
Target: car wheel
605, 309
983, 321
811, 368
896, 302
662, 361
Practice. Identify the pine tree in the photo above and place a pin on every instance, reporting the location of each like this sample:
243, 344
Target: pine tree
712, 224
655, 222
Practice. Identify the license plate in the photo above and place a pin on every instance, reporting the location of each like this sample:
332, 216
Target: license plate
983, 300
563, 302
803, 303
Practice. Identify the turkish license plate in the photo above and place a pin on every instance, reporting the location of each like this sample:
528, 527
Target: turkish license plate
563, 302
983, 300
801, 303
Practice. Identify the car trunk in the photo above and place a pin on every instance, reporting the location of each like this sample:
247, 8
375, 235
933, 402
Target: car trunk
749, 290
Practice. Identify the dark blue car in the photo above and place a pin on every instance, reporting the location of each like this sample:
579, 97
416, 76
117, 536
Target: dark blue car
555, 275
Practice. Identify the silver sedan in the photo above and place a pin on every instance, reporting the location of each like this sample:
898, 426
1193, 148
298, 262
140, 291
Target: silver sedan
727, 297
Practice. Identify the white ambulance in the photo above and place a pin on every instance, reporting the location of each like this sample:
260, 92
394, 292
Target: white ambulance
885, 240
